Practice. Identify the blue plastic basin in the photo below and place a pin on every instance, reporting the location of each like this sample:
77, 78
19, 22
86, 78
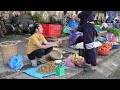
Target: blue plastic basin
115, 47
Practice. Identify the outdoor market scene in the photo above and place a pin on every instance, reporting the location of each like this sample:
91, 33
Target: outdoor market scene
59, 44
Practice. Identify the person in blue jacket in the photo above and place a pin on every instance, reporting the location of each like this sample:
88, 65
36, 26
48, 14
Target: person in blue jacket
75, 36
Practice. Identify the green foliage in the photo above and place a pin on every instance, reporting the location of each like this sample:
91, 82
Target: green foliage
110, 30
114, 31
38, 18
28, 13
97, 26
53, 21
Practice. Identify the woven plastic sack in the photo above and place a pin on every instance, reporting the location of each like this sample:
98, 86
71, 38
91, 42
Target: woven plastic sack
16, 62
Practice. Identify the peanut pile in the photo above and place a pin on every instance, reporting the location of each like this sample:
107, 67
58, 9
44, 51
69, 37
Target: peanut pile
47, 68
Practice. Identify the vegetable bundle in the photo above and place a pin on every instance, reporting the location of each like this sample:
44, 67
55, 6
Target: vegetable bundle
114, 31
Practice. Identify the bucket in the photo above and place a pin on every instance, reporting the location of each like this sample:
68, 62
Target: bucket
8, 49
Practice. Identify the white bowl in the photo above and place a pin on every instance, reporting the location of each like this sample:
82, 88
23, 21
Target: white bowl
58, 61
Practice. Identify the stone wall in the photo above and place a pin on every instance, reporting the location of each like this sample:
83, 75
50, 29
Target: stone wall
8, 14
45, 14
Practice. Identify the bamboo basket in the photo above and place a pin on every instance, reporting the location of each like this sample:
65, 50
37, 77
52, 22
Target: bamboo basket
8, 49
55, 55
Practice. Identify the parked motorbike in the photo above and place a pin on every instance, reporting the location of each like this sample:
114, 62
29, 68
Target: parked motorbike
26, 25
23, 25
2, 27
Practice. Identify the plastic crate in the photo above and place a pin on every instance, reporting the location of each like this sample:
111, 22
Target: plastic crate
52, 30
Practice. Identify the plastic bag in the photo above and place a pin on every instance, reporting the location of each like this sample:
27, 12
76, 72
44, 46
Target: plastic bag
67, 29
16, 62
111, 37
102, 39
69, 62
81, 46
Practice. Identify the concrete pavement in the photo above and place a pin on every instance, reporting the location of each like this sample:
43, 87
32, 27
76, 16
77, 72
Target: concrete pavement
106, 64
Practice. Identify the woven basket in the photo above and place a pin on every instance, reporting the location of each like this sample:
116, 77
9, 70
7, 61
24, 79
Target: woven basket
8, 49
55, 55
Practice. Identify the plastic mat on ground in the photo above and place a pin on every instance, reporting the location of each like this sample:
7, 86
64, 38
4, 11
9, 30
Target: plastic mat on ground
33, 72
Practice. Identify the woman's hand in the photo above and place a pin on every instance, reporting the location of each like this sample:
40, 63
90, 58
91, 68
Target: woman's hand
59, 42
54, 45
75, 28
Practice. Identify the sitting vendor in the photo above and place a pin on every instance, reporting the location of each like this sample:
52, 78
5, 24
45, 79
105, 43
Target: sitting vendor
38, 46
75, 36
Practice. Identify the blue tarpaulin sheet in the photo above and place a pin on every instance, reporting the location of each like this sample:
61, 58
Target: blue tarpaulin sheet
33, 72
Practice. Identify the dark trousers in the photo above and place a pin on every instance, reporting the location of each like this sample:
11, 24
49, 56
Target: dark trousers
90, 54
79, 40
39, 53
